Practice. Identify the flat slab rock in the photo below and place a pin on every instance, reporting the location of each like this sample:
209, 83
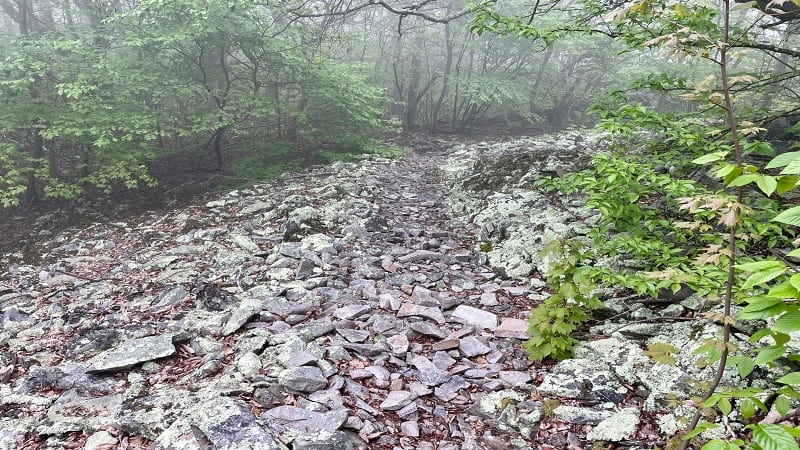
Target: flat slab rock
475, 316
132, 352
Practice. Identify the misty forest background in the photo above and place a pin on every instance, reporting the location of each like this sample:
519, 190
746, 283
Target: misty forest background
701, 98
98, 96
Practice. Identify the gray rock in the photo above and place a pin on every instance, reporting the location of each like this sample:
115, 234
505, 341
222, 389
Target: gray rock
428, 329
355, 336
423, 297
410, 428
245, 243
132, 352
76, 410
618, 427
390, 302
351, 312
169, 297
294, 354
100, 439
305, 269
576, 414
428, 373
12, 433
410, 309
420, 255
323, 440
475, 316
582, 379
396, 400
448, 391
512, 328
219, 422
248, 308
419, 389
447, 344
314, 329
442, 360
372, 273
304, 420
255, 207
513, 378
492, 405
471, 346
317, 242
366, 349
249, 364
398, 344
302, 379
489, 299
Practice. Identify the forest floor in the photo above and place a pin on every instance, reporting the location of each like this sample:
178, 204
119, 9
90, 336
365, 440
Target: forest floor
339, 306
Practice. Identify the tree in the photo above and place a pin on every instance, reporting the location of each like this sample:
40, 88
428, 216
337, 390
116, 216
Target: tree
93, 101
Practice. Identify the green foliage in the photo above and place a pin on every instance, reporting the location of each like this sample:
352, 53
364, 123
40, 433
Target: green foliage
82, 114
552, 323
724, 244
268, 163
356, 148
643, 216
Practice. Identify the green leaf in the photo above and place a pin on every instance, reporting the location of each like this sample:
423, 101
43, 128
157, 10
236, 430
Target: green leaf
773, 437
725, 406
767, 184
747, 408
701, 427
716, 444
728, 169
709, 158
763, 277
761, 303
782, 405
742, 180
790, 217
783, 290
790, 378
782, 160
794, 253
769, 354
759, 265
758, 335
744, 365
786, 183
789, 322
793, 168
779, 338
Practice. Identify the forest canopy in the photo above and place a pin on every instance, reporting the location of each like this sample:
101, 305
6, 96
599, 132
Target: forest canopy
97, 93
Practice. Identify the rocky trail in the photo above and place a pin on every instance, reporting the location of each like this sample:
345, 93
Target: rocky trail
348, 306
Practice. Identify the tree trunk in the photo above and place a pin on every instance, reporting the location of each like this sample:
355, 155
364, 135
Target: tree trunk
448, 67
37, 152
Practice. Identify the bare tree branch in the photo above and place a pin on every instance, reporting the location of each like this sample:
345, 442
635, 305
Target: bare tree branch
409, 10
770, 48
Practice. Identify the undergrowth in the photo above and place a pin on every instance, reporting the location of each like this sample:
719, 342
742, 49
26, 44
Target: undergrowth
262, 163
676, 232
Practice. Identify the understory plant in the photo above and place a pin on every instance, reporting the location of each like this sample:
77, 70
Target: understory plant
724, 233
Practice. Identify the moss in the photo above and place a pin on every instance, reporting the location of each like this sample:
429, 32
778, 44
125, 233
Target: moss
549, 405
505, 403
